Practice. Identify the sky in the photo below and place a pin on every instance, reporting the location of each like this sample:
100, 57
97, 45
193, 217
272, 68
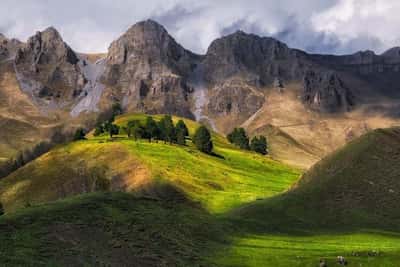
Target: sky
316, 26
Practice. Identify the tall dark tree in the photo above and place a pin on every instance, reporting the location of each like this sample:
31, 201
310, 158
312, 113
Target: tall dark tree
180, 137
152, 130
202, 140
259, 144
1, 209
135, 129
79, 134
113, 129
181, 126
239, 138
169, 129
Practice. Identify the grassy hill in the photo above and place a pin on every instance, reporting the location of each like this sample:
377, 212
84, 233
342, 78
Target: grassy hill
357, 186
185, 208
221, 182
347, 204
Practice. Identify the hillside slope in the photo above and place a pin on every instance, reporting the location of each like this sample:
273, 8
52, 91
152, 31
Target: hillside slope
185, 208
355, 187
220, 182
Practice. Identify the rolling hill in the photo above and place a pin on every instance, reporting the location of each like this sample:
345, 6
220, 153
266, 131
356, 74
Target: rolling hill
174, 206
220, 182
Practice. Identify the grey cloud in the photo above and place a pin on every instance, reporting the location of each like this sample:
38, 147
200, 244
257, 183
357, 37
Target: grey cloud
91, 25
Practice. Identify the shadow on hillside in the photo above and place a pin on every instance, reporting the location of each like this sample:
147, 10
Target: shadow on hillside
298, 215
217, 155
157, 226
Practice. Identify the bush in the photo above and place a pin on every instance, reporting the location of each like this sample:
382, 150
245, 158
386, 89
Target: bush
202, 140
239, 138
259, 144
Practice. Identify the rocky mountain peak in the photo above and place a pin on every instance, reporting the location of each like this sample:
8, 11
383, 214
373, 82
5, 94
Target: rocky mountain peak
149, 42
261, 59
47, 47
146, 63
53, 66
392, 55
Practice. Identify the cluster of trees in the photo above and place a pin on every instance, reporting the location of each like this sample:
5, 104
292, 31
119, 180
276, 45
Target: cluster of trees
28, 155
240, 138
162, 130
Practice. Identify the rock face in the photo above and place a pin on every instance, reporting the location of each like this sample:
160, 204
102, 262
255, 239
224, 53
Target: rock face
8, 47
235, 97
259, 60
50, 67
147, 70
326, 92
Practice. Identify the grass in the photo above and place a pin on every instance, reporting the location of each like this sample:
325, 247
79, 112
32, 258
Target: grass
359, 249
186, 208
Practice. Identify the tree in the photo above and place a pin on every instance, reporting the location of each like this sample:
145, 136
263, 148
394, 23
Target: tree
1, 209
168, 128
259, 144
113, 129
181, 126
202, 140
180, 137
239, 138
152, 130
79, 134
135, 129
99, 129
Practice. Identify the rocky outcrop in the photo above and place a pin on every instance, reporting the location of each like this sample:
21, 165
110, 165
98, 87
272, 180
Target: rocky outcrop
147, 70
50, 66
234, 97
8, 47
326, 92
257, 60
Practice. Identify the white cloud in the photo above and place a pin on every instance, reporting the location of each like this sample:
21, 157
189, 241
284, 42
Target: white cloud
370, 20
334, 26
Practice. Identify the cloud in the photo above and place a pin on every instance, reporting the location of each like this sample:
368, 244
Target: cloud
329, 26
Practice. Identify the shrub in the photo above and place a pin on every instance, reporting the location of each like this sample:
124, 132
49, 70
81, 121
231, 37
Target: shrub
239, 138
259, 144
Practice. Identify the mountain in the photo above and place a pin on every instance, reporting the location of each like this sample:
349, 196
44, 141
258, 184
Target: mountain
243, 79
147, 70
